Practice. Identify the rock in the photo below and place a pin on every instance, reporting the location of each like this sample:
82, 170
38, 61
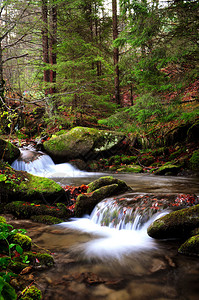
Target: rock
190, 247
84, 143
108, 180
85, 203
177, 224
8, 152
130, 169
32, 293
20, 185
167, 169
97, 191
21, 239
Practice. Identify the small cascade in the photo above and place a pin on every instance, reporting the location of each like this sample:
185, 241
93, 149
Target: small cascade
123, 215
40, 164
116, 230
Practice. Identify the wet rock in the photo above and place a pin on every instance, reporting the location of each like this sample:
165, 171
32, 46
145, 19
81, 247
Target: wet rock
85, 203
157, 265
98, 190
108, 180
20, 185
84, 143
190, 247
8, 152
168, 169
177, 224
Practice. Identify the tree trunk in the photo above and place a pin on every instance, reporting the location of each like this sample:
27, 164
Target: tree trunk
1, 77
116, 52
45, 45
53, 43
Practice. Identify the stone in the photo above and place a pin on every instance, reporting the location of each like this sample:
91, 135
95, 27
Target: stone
83, 143
177, 224
8, 152
190, 246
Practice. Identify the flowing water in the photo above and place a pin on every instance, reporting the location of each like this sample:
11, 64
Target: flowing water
118, 261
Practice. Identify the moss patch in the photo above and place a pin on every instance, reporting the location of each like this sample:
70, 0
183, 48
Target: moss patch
177, 224
190, 247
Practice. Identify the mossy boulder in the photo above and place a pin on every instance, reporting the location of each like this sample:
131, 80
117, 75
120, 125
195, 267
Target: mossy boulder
39, 259
85, 203
8, 152
168, 169
83, 143
97, 191
108, 180
177, 224
20, 185
32, 293
194, 160
130, 169
46, 219
26, 210
190, 247
23, 240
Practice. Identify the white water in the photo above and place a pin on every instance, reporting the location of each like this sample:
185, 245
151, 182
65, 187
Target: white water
42, 165
108, 242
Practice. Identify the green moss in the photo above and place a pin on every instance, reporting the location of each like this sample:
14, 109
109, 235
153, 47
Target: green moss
33, 184
25, 210
167, 168
131, 169
32, 293
107, 180
190, 247
23, 240
177, 224
42, 259
194, 160
2, 219
45, 219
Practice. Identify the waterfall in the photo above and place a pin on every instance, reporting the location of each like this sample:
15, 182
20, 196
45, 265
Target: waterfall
116, 231
40, 164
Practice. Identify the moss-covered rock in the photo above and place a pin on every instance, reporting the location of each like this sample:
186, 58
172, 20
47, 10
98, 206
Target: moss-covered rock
45, 219
23, 240
190, 247
168, 169
8, 152
130, 169
38, 259
26, 210
85, 203
97, 191
20, 185
177, 224
108, 180
83, 142
194, 160
32, 293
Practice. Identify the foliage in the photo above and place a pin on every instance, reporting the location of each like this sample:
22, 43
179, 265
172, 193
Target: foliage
6, 290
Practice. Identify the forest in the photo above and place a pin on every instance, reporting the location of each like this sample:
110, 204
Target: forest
96, 63
118, 78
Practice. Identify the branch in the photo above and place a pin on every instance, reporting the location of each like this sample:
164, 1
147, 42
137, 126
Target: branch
14, 43
15, 57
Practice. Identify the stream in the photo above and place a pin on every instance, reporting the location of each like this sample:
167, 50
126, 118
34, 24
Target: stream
100, 262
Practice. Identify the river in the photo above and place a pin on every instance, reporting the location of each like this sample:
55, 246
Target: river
92, 262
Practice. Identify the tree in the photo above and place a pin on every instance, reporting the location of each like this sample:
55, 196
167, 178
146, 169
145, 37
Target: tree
116, 51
